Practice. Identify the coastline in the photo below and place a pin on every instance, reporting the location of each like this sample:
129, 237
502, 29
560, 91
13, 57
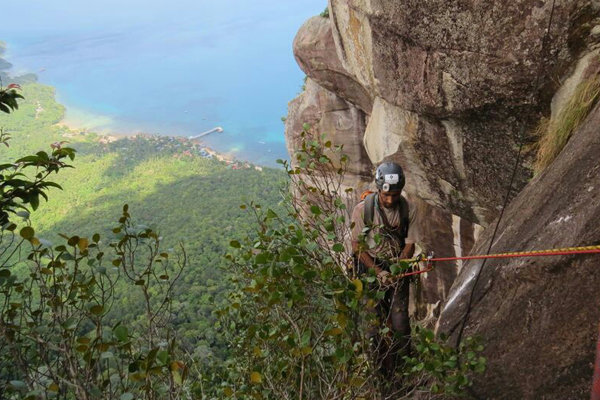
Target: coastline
75, 130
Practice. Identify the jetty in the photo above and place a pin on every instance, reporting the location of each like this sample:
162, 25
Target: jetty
216, 129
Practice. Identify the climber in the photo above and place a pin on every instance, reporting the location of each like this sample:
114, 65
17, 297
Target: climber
385, 214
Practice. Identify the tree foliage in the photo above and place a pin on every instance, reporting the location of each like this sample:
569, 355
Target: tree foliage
299, 322
169, 187
17, 189
9, 97
58, 343
54, 300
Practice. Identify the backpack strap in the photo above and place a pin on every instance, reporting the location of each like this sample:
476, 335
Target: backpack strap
404, 213
369, 210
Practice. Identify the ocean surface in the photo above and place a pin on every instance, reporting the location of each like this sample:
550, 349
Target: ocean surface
177, 67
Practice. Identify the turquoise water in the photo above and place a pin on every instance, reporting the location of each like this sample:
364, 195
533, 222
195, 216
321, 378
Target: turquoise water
174, 68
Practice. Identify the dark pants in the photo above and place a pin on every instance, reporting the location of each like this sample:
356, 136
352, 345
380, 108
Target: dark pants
391, 312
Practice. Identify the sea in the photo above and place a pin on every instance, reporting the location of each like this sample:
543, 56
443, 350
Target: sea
179, 67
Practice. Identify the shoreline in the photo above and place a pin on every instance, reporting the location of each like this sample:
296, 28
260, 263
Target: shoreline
77, 127
75, 131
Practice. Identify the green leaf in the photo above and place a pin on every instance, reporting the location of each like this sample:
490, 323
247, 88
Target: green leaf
70, 323
162, 356
315, 210
18, 385
271, 214
338, 247
121, 333
235, 244
27, 233
261, 258
126, 396
96, 309
23, 214
34, 200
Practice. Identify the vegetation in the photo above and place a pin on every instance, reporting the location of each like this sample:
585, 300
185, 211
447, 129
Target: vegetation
58, 341
325, 13
298, 321
166, 181
93, 310
54, 301
555, 133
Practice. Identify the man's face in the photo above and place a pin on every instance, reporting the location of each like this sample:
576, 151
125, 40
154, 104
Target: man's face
389, 199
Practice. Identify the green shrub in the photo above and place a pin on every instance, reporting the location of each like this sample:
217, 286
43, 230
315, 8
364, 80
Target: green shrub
298, 323
55, 337
54, 307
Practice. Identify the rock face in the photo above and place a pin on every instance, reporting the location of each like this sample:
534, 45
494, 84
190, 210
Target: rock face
450, 90
445, 58
461, 75
539, 317
342, 123
315, 53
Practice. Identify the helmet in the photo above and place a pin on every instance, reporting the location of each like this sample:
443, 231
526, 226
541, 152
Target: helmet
389, 176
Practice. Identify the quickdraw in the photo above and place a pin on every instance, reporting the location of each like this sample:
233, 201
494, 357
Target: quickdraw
415, 262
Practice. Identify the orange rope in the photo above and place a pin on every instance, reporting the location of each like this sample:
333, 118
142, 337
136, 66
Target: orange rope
533, 253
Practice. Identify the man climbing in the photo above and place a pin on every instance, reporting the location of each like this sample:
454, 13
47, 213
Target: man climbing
379, 239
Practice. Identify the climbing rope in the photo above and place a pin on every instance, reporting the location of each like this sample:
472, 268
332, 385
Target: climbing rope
522, 142
564, 251
533, 253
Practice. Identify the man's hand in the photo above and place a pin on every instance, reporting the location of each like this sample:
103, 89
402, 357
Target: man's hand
385, 278
408, 251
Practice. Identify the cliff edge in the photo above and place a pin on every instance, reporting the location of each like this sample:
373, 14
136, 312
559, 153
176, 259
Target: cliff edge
451, 90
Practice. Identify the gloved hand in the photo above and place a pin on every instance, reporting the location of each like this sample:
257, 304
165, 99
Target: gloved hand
385, 278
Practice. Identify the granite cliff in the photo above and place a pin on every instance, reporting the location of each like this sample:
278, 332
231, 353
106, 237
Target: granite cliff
451, 91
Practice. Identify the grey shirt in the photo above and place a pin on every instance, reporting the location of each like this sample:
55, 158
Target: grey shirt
389, 246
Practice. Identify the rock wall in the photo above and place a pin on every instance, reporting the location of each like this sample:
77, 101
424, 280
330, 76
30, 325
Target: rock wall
539, 316
450, 90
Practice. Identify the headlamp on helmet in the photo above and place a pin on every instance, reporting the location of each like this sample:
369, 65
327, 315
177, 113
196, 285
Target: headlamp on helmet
389, 177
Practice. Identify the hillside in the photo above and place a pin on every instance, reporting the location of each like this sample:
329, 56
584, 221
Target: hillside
169, 185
